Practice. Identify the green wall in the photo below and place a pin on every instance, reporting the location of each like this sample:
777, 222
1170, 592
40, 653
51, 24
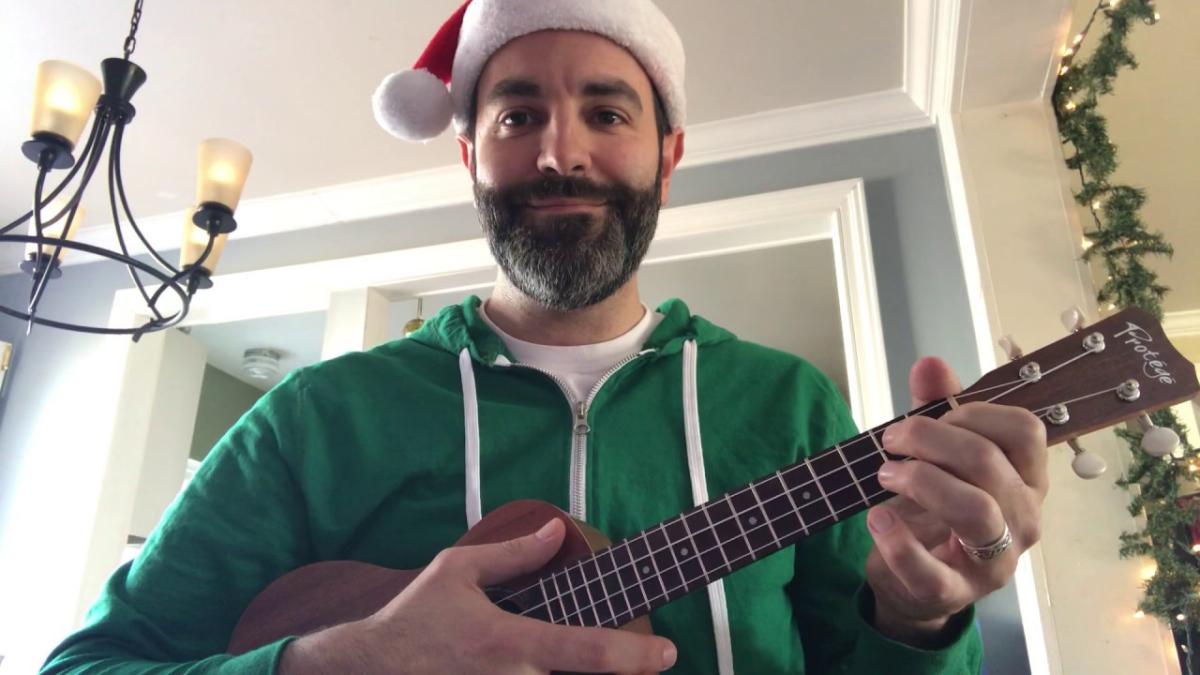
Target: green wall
223, 400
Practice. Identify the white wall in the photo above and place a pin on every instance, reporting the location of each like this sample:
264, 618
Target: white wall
1028, 243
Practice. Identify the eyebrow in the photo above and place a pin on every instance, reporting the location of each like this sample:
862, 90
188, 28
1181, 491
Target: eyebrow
521, 88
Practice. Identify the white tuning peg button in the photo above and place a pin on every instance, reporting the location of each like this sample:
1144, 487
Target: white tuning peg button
1160, 441
1010, 348
1072, 319
1086, 465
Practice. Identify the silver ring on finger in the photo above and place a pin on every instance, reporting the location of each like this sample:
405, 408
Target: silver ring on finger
992, 550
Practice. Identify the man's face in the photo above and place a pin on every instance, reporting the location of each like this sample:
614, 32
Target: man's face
568, 169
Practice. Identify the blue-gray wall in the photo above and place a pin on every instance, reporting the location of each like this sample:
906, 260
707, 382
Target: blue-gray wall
917, 267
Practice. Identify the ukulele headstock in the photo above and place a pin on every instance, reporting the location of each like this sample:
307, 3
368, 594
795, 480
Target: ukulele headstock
1098, 376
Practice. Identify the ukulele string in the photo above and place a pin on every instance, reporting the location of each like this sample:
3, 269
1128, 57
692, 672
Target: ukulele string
1013, 386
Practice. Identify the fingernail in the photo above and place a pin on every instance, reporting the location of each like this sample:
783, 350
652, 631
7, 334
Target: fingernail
881, 520
887, 471
544, 532
668, 658
889, 435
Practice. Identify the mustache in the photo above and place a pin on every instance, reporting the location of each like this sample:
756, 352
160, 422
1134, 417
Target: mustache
566, 187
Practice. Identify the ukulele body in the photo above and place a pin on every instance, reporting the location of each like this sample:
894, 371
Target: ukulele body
329, 593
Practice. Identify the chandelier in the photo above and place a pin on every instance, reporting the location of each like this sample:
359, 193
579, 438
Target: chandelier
65, 96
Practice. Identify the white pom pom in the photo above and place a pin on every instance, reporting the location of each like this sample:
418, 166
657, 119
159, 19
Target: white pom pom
413, 104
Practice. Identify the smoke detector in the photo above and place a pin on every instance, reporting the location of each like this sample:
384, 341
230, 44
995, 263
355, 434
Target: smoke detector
261, 363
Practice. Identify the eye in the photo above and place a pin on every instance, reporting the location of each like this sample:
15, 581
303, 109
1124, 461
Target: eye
515, 118
609, 118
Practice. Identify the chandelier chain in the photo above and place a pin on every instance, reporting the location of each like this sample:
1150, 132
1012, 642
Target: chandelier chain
130, 40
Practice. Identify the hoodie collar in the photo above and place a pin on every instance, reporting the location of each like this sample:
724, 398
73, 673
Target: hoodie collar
460, 326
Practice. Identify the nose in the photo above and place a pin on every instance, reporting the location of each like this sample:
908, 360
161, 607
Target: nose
564, 147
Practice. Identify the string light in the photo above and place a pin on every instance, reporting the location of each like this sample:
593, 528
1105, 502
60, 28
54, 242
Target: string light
1078, 38
1067, 51
1096, 204
1139, 614
1149, 571
1070, 106
1181, 617
1195, 548
1113, 3
1063, 70
1087, 243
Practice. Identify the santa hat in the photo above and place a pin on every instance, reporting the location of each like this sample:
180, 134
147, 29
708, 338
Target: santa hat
418, 104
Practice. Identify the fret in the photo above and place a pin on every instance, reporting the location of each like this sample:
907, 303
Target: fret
828, 504
630, 574
792, 501
854, 478
738, 517
766, 515
683, 578
878, 445
568, 601
596, 588
694, 567
836, 481
752, 518
785, 522
709, 538
579, 581
813, 511
647, 568
664, 560
617, 603
865, 463
550, 602
732, 540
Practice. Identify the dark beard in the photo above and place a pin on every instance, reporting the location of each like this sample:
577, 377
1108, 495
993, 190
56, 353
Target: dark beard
575, 260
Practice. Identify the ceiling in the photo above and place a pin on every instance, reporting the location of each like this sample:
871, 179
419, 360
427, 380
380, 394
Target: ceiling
292, 80
793, 276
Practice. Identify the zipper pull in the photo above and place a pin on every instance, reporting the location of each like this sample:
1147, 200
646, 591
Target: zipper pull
581, 425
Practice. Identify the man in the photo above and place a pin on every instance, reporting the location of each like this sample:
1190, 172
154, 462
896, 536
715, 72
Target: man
571, 123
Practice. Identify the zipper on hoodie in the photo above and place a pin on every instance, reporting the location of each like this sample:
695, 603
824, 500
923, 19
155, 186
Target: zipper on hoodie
580, 429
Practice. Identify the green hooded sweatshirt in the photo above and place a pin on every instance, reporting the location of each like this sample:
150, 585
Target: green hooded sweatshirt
362, 458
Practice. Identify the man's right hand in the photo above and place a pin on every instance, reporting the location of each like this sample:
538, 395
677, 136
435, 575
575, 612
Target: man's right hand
444, 623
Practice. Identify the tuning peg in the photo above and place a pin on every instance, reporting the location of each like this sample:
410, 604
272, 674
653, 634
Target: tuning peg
1086, 465
1157, 441
1014, 352
1072, 319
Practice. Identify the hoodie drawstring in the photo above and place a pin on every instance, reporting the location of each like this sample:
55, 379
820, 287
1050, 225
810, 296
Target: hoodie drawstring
471, 426
695, 452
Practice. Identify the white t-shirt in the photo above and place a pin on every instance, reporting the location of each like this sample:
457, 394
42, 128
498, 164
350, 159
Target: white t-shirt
579, 367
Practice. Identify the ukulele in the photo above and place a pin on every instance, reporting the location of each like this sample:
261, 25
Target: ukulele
1115, 370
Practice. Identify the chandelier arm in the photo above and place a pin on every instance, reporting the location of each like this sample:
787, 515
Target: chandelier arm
93, 162
120, 183
153, 324
212, 238
92, 135
113, 156
174, 280
40, 268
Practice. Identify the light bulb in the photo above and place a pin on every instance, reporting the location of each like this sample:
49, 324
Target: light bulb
1096, 204
1139, 614
1078, 38
1181, 617
1113, 3
1087, 243
1070, 105
1149, 571
1063, 70
1157, 16
1195, 548
1067, 51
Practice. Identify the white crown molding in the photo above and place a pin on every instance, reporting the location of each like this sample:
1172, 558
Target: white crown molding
1182, 324
836, 121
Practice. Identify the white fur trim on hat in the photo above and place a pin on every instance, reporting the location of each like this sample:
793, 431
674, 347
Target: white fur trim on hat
637, 25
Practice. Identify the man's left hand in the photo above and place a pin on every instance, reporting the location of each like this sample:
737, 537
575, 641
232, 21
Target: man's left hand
973, 471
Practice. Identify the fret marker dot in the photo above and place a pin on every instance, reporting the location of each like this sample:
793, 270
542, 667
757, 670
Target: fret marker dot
683, 551
753, 520
646, 569
806, 494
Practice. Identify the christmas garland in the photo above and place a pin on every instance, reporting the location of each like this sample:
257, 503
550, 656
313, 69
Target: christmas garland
1119, 240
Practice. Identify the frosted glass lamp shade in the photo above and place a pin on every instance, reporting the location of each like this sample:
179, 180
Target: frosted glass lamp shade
54, 231
221, 172
195, 239
63, 99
